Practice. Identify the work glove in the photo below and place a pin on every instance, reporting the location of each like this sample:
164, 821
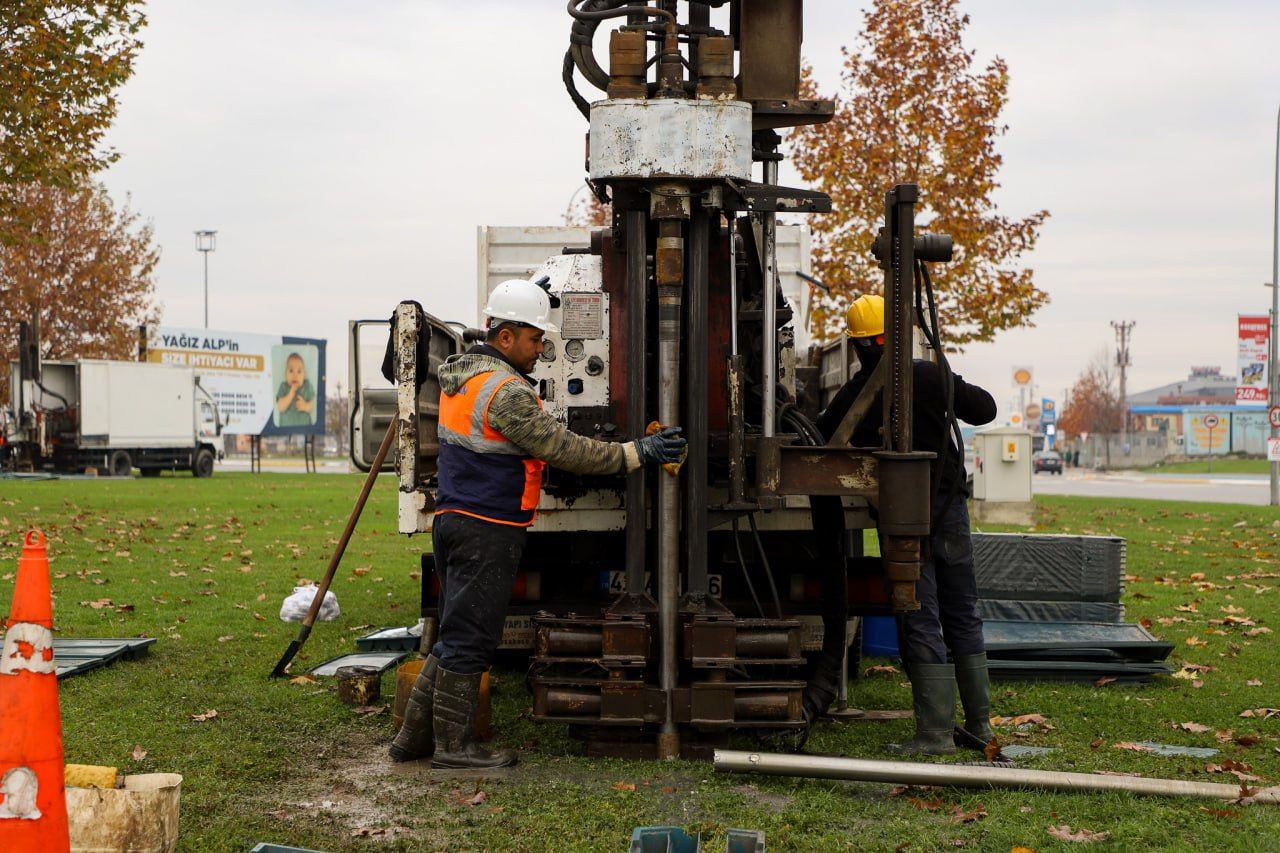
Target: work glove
663, 447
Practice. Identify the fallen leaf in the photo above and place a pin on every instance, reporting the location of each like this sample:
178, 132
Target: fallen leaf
207, 715
302, 679
1247, 740
623, 786
880, 670
1193, 640
259, 617
925, 805
368, 832
1231, 813
479, 798
1224, 735
1064, 833
262, 596
369, 710
962, 816
1261, 713
1022, 850
361, 571
1135, 747
992, 750
138, 753
1104, 681
1254, 682
1095, 743
1257, 632
1195, 728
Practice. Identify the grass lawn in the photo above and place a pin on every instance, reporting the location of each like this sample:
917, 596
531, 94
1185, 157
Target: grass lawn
1220, 466
204, 565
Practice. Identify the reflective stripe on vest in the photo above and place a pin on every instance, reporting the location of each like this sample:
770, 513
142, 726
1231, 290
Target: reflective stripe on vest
481, 473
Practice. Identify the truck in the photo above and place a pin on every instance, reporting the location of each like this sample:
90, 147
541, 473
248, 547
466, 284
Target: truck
108, 416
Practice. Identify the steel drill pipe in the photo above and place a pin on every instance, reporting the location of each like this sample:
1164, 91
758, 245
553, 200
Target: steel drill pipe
970, 776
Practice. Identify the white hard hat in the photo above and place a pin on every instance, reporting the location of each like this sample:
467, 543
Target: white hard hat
521, 301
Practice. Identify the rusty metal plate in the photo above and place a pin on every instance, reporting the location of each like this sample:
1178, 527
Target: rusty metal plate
784, 469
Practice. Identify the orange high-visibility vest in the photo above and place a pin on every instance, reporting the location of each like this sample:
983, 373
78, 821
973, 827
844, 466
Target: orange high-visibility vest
481, 473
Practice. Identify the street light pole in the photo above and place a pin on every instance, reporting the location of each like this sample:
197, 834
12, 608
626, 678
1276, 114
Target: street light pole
206, 242
1273, 378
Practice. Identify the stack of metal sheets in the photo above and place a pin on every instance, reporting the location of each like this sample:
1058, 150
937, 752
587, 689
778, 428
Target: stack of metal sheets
75, 655
1058, 578
1074, 651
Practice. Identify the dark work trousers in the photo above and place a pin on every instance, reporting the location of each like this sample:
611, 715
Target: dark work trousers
477, 562
948, 593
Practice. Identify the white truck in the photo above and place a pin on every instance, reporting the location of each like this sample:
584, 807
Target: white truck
111, 416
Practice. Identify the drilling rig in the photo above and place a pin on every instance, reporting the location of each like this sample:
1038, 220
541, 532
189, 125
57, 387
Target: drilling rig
669, 609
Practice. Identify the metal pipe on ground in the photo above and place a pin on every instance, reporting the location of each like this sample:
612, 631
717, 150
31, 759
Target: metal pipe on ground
971, 776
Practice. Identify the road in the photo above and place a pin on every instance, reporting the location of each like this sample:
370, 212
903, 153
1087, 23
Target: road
1209, 488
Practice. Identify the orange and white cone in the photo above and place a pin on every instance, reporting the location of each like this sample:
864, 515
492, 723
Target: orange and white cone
33, 802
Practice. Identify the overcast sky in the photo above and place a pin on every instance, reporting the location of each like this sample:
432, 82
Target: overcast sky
346, 151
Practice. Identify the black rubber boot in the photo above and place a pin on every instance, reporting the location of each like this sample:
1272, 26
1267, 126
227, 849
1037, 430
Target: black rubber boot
933, 693
416, 738
974, 684
457, 701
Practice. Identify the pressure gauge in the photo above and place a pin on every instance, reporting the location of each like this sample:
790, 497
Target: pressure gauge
548, 351
574, 350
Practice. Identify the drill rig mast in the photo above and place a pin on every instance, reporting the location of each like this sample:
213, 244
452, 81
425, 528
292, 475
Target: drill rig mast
675, 315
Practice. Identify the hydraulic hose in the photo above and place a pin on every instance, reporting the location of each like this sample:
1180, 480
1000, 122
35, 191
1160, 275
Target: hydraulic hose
572, 88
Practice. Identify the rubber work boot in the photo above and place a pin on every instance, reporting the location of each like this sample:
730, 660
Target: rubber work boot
457, 701
933, 694
416, 739
974, 685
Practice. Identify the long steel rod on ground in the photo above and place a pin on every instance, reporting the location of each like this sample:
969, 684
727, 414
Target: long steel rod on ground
637, 293
970, 776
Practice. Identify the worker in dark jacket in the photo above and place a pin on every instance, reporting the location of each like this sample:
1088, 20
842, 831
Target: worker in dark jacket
948, 619
495, 441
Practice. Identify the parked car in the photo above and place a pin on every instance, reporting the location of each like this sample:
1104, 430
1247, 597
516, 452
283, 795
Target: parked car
1047, 460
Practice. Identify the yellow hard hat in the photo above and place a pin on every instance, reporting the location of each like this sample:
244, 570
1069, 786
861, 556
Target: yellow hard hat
865, 317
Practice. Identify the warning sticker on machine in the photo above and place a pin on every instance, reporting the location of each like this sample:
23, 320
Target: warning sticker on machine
582, 316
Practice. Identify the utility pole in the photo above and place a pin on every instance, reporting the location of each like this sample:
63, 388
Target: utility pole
1273, 377
1123, 361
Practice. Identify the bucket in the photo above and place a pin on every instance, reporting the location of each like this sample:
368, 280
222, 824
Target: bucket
407, 674
880, 636
141, 817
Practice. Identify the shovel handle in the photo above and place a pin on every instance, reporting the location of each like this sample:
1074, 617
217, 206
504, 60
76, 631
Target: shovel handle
351, 526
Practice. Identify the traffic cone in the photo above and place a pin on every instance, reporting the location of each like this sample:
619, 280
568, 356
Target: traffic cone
33, 803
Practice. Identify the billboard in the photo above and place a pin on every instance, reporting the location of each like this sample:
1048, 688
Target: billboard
1206, 433
262, 384
1252, 338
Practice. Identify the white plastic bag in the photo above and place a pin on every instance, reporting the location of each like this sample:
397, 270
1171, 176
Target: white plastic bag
295, 607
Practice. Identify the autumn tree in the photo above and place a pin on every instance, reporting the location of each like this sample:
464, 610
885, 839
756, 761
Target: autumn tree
587, 211
61, 63
1094, 404
911, 108
85, 269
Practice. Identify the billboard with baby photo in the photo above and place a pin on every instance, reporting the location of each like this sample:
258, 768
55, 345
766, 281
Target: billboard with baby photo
262, 384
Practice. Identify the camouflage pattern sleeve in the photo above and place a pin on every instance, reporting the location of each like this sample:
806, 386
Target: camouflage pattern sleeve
515, 413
